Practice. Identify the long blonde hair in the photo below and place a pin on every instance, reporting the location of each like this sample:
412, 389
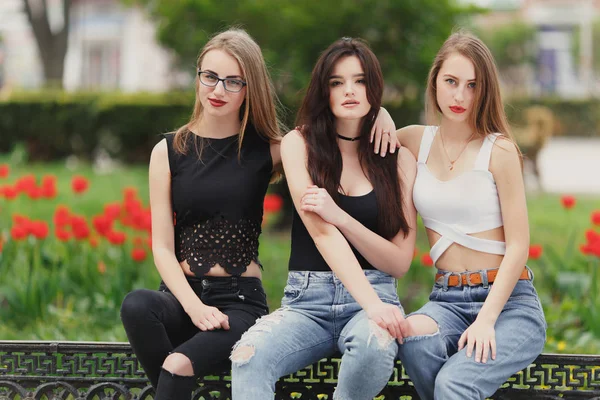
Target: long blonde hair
260, 105
487, 115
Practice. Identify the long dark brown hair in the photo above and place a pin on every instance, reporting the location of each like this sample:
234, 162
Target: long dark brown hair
317, 124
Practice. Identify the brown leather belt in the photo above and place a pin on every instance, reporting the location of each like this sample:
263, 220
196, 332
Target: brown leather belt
474, 278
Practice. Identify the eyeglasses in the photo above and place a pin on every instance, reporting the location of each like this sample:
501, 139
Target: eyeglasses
230, 84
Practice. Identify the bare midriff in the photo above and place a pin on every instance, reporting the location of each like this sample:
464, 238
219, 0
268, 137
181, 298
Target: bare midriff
253, 270
458, 258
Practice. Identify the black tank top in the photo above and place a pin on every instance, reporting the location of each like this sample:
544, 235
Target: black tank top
218, 200
305, 256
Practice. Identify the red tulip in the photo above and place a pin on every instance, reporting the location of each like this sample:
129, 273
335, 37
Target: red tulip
568, 202
102, 224
62, 234
34, 193
80, 227
426, 260
592, 247
130, 193
18, 233
94, 241
49, 190
19, 219
79, 184
4, 171
112, 210
535, 251
39, 229
138, 254
596, 218
25, 183
10, 192
272, 203
116, 238
62, 215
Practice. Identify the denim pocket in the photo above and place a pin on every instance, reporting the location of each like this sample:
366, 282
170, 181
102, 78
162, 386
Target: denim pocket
387, 292
524, 291
292, 293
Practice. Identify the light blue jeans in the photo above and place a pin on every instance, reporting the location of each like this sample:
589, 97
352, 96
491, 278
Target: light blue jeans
439, 371
318, 318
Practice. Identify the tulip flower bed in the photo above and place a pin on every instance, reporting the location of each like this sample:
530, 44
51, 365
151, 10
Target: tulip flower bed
72, 244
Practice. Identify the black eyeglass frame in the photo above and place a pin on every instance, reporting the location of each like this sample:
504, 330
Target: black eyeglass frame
221, 80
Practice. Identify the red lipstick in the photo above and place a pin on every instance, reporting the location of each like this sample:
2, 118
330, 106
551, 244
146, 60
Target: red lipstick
216, 103
457, 109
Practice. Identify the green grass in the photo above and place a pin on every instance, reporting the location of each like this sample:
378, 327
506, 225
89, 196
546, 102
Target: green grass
558, 230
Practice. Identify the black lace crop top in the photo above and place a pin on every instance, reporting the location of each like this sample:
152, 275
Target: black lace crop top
218, 200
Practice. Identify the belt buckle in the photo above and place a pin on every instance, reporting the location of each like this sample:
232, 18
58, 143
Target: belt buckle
440, 280
458, 274
468, 279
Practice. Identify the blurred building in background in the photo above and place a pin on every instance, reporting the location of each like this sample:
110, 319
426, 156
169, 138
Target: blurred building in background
110, 47
564, 43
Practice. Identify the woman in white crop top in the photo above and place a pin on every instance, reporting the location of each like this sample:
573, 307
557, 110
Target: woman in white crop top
484, 321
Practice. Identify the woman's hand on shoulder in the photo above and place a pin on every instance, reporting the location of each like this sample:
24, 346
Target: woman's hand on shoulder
410, 137
382, 134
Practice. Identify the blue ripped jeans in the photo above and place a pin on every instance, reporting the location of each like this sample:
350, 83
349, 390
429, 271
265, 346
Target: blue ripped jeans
318, 318
439, 371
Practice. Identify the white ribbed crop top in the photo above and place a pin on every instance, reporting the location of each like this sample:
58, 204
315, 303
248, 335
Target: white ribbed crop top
463, 205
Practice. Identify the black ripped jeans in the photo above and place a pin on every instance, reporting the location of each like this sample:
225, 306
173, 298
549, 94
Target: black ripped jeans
157, 325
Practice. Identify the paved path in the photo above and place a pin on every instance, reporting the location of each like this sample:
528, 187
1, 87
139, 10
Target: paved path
569, 165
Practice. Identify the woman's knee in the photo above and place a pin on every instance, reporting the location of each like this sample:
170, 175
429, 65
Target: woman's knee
420, 325
255, 341
135, 305
178, 364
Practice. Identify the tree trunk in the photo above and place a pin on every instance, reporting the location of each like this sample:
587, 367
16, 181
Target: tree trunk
52, 46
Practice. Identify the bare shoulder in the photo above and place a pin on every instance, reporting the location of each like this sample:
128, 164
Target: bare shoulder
410, 137
411, 130
505, 156
160, 152
292, 142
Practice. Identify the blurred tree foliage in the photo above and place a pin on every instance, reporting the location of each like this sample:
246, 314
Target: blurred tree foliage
513, 44
405, 35
514, 47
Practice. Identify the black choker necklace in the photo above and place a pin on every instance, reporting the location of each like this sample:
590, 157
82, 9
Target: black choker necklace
350, 139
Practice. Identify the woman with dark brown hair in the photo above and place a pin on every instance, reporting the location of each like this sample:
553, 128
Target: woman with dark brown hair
353, 233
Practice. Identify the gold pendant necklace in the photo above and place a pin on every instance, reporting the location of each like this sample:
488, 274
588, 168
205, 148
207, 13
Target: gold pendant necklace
451, 165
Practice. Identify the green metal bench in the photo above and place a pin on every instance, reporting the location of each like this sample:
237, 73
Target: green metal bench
102, 371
